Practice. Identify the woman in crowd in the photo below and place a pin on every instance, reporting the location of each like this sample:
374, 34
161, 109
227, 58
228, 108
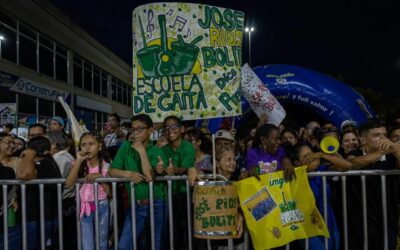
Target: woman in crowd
288, 136
19, 146
202, 145
7, 157
349, 143
266, 153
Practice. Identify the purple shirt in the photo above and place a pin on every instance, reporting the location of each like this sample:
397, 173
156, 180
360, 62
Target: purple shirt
255, 155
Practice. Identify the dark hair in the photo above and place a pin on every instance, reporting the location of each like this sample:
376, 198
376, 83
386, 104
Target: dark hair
290, 130
206, 145
101, 155
18, 152
41, 145
320, 132
395, 127
10, 126
4, 134
116, 116
172, 117
59, 138
292, 151
370, 124
37, 125
264, 130
143, 118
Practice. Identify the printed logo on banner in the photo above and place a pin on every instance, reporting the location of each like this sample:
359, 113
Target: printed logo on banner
260, 204
186, 59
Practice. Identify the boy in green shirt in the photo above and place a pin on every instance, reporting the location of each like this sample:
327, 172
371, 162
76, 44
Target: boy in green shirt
136, 159
181, 159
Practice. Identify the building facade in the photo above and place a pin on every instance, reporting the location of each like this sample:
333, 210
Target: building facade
43, 55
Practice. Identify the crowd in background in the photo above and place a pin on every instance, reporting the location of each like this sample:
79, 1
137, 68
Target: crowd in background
141, 150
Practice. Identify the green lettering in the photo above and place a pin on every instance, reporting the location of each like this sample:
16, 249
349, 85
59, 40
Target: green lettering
140, 87
207, 18
205, 223
208, 57
201, 100
189, 96
147, 104
160, 102
238, 19
218, 203
220, 56
176, 84
225, 99
195, 82
137, 104
228, 15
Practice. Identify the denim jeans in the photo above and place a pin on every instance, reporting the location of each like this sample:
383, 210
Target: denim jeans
33, 233
88, 228
142, 213
14, 238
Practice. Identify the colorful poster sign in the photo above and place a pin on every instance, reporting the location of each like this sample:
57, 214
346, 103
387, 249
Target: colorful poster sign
186, 60
261, 100
278, 212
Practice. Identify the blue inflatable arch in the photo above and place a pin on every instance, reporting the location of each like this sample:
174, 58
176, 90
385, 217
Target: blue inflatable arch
329, 98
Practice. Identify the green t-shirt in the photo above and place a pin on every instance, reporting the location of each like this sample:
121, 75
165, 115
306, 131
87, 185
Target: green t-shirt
128, 159
183, 157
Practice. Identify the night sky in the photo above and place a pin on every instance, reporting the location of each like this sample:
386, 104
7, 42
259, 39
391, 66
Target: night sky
360, 42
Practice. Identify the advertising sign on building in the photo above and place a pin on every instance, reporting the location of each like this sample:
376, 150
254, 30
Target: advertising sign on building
26, 86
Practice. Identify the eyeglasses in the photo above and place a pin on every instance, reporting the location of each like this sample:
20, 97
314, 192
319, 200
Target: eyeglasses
8, 143
138, 129
172, 127
191, 139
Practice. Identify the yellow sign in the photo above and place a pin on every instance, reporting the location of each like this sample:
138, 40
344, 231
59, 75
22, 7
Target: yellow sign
278, 212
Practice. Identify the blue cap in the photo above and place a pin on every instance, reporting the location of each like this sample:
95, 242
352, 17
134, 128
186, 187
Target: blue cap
59, 120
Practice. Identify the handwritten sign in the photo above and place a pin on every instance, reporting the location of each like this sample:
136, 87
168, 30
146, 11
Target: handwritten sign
186, 60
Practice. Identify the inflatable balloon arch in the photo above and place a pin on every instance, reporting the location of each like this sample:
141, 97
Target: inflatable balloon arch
329, 98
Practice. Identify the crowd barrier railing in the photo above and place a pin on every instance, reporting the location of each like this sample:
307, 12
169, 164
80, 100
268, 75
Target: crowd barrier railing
169, 180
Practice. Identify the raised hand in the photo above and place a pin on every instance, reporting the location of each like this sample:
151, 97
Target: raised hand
170, 168
160, 166
80, 156
385, 145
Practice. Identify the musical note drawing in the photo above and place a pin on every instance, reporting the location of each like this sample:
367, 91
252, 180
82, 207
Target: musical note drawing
188, 33
179, 23
170, 12
150, 26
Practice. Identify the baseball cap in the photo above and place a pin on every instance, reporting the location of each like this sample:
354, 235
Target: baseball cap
59, 120
224, 134
348, 123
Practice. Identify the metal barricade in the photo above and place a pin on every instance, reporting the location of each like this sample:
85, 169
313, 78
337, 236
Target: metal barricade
169, 180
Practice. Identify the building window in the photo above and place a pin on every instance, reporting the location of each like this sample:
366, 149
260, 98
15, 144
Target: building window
26, 104
78, 72
96, 80
46, 54
8, 44
61, 63
129, 96
45, 108
27, 52
113, 89
119, 90
88, 76
104, 84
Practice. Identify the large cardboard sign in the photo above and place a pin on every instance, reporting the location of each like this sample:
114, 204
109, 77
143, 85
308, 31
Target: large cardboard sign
186, 60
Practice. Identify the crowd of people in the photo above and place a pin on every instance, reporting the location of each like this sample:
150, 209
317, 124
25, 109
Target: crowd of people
142, 150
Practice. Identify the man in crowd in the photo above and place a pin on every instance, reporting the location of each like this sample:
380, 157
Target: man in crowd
181, 159
56, 124
36, 129
113, 135
379, 153
224, 139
